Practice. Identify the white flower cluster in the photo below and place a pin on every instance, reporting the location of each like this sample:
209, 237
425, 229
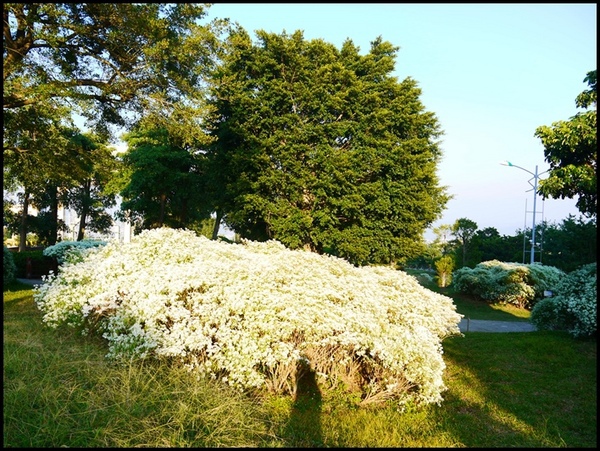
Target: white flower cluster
574, 306
245, 312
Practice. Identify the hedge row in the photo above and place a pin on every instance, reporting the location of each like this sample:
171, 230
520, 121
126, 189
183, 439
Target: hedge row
40, 264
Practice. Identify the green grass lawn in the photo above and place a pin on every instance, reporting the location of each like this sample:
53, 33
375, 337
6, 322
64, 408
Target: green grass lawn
531, 389
473, 307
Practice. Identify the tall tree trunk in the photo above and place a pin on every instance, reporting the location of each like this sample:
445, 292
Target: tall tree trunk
54, 211
184, 213
161, 218
23, 230
85, 209
218, 219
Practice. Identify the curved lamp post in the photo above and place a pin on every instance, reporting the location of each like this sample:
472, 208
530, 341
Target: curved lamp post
534, 185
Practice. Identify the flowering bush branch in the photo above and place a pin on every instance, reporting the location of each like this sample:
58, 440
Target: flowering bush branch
257, 314
574, 306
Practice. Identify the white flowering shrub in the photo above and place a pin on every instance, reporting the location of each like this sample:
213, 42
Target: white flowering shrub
71, 250
574, 306
257, 314
518, 284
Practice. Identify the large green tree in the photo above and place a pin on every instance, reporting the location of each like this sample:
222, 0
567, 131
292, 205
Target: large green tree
324, 149
571, 149
36, 159
164, 184
110, 61
464, 229
87, 194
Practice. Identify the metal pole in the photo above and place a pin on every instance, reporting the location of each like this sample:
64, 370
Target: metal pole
524, 234
542, 235
535, 181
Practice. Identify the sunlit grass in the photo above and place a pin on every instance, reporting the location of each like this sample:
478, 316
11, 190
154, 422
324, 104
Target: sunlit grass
535, 389
60, 390
474, 308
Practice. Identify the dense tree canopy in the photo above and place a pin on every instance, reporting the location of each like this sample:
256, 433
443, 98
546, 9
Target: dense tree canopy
324, 148
36, 159
106, 59
570, 244
566, 245
111, 63
571, 149
164, 184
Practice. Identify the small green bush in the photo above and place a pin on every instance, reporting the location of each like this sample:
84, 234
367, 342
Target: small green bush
10, 269
574, 306
548, 315
444, 267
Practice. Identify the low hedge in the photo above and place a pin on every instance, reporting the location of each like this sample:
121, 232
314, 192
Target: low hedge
40, 264
8, 266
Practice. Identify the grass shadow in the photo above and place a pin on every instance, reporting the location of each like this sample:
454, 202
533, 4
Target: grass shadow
532, 401
303, 428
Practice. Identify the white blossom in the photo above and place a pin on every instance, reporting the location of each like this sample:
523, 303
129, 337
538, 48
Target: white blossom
239, 311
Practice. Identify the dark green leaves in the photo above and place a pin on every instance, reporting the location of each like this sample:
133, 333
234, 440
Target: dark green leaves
323, 149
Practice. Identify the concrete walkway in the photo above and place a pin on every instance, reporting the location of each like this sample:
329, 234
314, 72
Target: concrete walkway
465, 325
31, 281
478, 325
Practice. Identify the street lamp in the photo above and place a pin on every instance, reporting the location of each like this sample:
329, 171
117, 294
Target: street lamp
534, 185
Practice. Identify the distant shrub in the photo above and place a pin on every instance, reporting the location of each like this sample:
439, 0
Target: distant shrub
9, 267
574, 306
71, 251
424, 278
518, 284
544, 278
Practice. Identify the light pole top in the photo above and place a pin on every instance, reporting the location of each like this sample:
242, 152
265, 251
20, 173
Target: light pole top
534, 185
508, 163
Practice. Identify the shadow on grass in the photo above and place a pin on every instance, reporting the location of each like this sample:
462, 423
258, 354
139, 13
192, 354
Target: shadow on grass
17, 298
476, 308
303, 428
535, 400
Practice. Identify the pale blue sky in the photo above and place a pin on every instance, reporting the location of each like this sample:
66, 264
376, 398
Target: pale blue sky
492, 73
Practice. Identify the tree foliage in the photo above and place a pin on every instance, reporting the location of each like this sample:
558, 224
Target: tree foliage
37, 158
566, 245
569, 244
323, 148
110, 63
88, 195
107, 59
464, 229
488, 244
164, 184
570, 147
